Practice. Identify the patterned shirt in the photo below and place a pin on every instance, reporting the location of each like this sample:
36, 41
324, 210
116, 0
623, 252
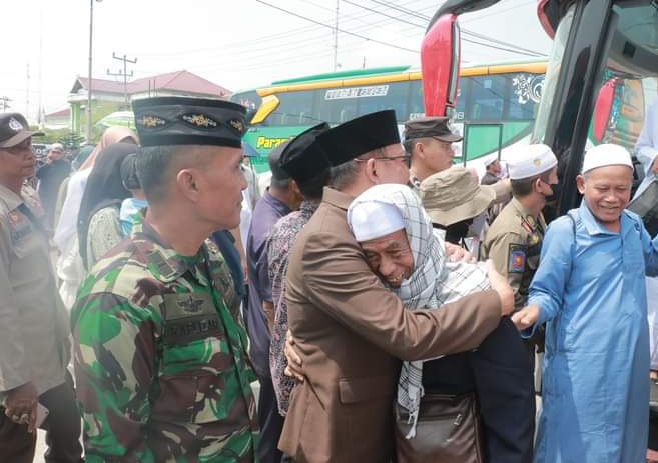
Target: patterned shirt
161, 364
279, 243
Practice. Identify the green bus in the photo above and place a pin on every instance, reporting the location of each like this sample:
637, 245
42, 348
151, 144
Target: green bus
495, 109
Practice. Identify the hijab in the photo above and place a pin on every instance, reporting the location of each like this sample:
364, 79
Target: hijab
67, 224
111, 136
104, 188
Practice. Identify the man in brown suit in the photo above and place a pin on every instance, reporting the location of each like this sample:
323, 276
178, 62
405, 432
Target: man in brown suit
350, 330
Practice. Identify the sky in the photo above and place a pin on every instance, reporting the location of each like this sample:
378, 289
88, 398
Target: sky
236, 44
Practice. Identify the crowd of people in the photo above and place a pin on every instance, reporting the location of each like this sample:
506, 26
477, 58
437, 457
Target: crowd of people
390, 305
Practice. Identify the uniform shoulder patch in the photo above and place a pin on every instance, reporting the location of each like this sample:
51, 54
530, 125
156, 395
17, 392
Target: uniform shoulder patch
517, 258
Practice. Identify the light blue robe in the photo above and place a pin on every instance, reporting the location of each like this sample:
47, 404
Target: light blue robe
591, 291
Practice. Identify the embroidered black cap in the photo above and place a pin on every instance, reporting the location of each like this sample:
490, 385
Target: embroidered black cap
14, 130
435, 127
303, 157
359, 136
189, 121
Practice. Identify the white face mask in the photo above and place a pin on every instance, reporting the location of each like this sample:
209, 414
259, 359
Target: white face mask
477, 226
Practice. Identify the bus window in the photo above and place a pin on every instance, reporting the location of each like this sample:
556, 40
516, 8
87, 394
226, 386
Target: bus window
416, 105
487, 98
525, 92
462, 96
249, 100
396, 97
334, 107
295, 109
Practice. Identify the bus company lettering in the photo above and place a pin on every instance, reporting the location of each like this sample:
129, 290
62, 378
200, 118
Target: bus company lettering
356, 92
269, 143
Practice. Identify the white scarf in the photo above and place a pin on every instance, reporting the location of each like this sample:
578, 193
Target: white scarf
433, 282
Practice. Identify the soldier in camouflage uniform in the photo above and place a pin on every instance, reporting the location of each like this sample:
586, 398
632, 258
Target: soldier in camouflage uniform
160, 348
514, 240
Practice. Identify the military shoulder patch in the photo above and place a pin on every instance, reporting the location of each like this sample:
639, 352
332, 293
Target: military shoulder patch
517, 258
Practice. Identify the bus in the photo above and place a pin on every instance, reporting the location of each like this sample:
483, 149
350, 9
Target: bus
496, 107
600, 77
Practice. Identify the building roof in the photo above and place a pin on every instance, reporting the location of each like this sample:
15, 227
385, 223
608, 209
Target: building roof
62, 113
180, 81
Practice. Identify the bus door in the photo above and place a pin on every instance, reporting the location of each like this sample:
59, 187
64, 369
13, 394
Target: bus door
491, 132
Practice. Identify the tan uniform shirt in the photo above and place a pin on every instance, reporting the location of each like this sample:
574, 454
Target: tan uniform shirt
34, 342
514, 243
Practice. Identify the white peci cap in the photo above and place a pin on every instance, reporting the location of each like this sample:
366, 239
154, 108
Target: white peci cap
606, 154
370, 220
530, 161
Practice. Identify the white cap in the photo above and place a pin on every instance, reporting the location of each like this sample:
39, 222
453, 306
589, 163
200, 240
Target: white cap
530, 161
606, 154
370, 220
56, 147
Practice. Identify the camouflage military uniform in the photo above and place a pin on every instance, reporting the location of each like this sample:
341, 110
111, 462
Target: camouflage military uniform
514, 243
160, 358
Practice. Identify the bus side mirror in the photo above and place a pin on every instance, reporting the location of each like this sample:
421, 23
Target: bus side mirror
440, 55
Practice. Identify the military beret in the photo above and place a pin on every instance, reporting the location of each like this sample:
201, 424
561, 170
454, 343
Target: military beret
189, 121
359, 136
435, 127
303, 157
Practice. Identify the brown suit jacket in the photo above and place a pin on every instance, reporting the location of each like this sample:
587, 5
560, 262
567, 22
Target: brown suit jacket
351, 332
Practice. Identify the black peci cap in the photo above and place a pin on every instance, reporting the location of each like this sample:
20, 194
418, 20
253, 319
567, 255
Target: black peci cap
189, 121
303, 157
361, 135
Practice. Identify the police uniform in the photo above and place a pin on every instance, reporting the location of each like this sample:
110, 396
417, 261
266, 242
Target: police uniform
514, 239
161, 350
34, 345
513, 242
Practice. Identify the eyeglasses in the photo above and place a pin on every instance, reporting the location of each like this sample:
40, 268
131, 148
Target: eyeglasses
406, 159
23, 148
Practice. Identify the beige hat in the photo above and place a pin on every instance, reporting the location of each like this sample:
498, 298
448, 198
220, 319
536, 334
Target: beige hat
453, 195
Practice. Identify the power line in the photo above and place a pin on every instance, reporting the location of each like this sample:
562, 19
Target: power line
383, 14
340, 30
521, 50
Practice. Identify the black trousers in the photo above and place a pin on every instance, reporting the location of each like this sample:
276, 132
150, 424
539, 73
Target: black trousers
499, 372
62, 430
270, 423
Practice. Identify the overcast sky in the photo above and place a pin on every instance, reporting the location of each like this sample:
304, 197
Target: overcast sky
236, 44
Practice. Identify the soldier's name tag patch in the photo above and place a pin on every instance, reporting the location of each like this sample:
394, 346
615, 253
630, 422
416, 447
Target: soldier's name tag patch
517, 258
189, 316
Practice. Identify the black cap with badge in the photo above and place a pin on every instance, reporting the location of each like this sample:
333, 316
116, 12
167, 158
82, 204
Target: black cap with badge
362, 135
162, 121
303, 157
14, 130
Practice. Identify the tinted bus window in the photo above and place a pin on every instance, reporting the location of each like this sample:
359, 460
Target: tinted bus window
416, 102
396, 96
487, 98
295, 108
462, 97
334, 107
525, 93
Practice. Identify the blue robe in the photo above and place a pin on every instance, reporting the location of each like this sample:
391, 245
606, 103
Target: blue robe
591, 291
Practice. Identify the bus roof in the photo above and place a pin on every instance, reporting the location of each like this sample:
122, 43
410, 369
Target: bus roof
344, 74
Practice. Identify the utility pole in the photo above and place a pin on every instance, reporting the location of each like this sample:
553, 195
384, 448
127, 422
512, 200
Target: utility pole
123, 74
336, 37
4, 101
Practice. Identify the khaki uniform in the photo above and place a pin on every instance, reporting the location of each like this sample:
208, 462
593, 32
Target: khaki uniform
34, 345
514, 244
